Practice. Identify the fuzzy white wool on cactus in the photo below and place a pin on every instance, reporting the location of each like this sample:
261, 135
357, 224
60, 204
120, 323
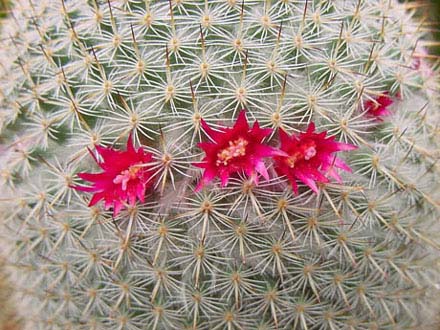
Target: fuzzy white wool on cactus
191, 164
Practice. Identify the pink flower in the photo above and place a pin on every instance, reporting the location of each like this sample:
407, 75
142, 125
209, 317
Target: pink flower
309, 157
378, 107
420, 63
234, 150
126, 176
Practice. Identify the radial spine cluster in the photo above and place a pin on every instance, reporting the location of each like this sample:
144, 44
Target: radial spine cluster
133, 196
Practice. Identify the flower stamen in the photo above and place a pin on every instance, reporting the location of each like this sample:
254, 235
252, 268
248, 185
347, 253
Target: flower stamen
236, 149
310, 151
291, 160
126, 176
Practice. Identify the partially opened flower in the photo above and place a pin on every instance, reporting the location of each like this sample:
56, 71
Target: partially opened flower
310, 158
420, 62
235, 150
125, 178
378, 107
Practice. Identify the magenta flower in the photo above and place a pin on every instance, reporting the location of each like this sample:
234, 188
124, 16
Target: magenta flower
234, 150
125, 178
309, 158
420, 62
378, 107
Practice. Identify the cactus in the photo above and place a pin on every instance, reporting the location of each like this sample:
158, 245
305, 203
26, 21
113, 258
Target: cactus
351, 243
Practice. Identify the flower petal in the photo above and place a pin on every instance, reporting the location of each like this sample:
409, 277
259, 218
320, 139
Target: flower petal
117, 164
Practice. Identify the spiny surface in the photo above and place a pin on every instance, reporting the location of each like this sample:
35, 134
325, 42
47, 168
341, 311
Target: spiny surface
361, 254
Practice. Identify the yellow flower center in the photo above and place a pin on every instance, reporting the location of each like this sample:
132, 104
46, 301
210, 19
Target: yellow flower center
291, 160
308, 152
236, 149
126, 176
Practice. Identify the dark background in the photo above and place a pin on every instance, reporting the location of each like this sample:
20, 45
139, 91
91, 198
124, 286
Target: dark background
435, 19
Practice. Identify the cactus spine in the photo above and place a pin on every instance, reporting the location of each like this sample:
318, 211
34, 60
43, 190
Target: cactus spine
360, 254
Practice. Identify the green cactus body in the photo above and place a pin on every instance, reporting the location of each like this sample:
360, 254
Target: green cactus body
359, 254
